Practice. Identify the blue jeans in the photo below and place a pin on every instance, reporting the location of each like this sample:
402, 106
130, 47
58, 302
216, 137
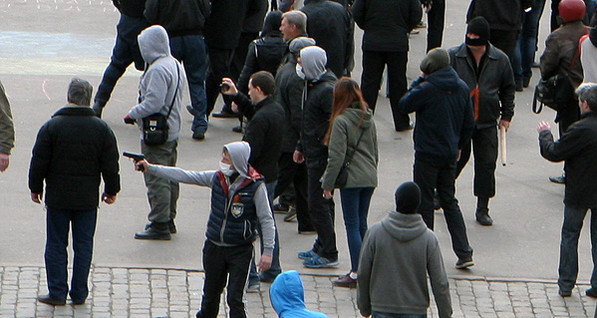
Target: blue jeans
378, 314
568, 269
125, 52
192, 52
57, 228
355, 207
524, 55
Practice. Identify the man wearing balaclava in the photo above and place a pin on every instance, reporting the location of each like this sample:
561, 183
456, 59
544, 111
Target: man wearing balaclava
397, 256
487, 72
317, 108
443, 127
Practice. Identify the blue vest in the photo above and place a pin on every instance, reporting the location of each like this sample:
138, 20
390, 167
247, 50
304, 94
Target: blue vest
232, 222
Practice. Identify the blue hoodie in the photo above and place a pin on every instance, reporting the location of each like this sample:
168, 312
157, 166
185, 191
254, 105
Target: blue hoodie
288, 297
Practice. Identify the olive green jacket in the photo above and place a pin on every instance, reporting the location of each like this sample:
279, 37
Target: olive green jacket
362, 171
7, 130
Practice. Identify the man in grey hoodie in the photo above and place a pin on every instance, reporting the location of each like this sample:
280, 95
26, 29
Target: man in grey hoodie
397, 255
160, 91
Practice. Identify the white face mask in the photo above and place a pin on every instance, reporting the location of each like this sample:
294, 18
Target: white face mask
299, 71
226, 169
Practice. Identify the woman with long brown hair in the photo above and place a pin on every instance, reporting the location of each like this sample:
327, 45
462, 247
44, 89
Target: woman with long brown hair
352, 137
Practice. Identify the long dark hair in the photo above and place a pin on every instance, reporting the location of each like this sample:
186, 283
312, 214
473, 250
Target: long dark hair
346, 92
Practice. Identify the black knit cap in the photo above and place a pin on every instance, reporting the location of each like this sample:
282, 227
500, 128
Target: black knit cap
480, 27
408, 198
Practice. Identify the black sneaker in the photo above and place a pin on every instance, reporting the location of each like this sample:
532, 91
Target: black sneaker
198, 135
464, 263
591, 292
157, 231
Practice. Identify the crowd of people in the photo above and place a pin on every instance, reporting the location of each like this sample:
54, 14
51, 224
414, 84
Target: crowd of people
309, 130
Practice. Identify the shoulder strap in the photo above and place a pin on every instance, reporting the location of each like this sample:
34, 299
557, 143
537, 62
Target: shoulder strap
352, 150
176, 90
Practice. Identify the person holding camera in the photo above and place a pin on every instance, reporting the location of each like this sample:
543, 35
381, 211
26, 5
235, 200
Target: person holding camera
160, 99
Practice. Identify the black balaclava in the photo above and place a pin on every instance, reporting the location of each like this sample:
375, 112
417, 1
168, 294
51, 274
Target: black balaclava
478, 26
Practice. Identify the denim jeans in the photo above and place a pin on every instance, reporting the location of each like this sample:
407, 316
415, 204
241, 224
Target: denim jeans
355, 208
378, 314
161, 192
57, 227
524, 55
568, 269
192, 52
275, 269
125, 52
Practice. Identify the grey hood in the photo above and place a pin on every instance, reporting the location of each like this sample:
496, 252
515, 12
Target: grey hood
314, 60
404, 227
239, 153
153, 43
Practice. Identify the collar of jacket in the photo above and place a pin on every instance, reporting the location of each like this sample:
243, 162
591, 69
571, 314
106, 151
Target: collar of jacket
74, 110
589, 114
267, 100
491, 51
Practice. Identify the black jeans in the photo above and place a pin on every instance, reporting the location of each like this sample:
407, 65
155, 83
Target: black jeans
219, 61
373, 66
485, 147
505, 40
431, 174
321, 211
221, 264
57, 227
292, 172
435, 21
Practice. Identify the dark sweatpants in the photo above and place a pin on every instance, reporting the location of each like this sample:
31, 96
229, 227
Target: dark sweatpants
321, 211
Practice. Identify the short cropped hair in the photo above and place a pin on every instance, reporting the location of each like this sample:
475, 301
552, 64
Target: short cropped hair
298, 18
587, 92
265, 81
79, 92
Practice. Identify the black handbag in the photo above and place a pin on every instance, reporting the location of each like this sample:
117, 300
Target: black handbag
552, 92
155, 126
343, 173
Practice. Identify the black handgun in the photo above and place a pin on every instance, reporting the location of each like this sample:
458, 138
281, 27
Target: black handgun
135, 156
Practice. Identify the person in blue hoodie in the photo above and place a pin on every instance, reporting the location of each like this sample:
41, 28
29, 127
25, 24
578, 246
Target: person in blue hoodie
288, 297
444, 125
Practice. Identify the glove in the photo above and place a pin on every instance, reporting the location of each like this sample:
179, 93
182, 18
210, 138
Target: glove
128, 120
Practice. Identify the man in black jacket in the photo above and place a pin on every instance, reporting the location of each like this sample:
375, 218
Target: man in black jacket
263, 132
577, 147
126, 49
317, 109
385, 42
184, 20
73, 151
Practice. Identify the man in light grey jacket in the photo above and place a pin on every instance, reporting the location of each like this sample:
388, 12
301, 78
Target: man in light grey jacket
160, 91
397, 255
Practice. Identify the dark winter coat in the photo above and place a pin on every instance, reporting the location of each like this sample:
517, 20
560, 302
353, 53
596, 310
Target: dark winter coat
578, 148
444, 113
224, 25
501, 14
495, 82
289, 94
264, 54
131, 8
387, 23
178, 17
72, 152
329, 23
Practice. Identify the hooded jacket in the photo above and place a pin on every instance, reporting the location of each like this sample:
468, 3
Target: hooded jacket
7, 129
289, 94
397, 255
162, 82
362, 171
226, 227
288, 297
444, 113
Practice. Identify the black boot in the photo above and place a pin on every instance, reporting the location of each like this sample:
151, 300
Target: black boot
482, 216
157, 231
171, 226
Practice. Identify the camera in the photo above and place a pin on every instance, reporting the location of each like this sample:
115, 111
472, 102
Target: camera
224, 87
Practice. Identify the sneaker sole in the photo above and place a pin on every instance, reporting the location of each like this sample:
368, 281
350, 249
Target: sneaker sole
305, 257
327, 265
465, 265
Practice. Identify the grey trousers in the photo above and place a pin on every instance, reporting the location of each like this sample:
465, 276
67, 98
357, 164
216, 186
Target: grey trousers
161, 193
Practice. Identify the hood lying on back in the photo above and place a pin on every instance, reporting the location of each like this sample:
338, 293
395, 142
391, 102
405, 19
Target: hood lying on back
153, 43
239, 153
445, 79
314, 60
404, 227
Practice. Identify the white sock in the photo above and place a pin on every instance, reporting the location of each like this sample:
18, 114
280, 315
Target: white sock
353, 275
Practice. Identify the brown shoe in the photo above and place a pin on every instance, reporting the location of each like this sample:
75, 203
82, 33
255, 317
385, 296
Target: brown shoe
346, 281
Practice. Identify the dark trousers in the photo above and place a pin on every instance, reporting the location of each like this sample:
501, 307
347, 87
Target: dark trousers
125, 52
485, 148
321, 211
292, 172
218, 67
504, 40
432, 174
568, 269
373, 67
225, 264
161, 192
57, 227
435, 24
527, 43
192, 52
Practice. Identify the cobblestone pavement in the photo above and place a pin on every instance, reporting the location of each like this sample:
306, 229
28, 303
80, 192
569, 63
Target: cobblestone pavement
143, 292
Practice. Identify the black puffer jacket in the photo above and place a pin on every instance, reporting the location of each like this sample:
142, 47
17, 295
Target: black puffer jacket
387, 23
330, 24
317, 109
495, 82
72, 151
578, 147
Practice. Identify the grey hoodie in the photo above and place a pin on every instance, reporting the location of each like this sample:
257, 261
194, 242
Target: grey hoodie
396, 256
314, 60
239, 153
160, 80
